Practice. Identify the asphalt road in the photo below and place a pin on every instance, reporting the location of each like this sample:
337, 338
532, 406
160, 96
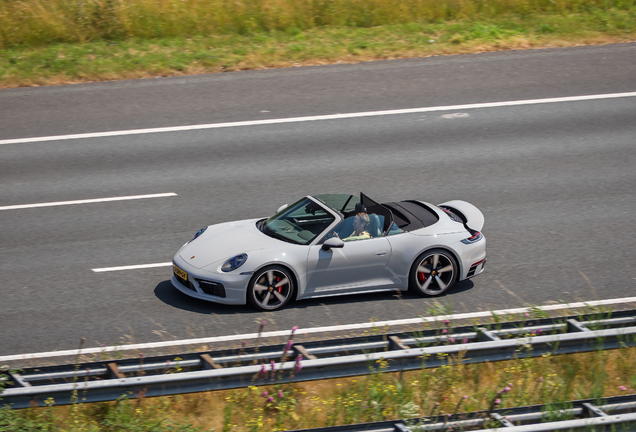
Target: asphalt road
556, 182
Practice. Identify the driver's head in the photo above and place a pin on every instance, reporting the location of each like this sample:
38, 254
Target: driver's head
361, 222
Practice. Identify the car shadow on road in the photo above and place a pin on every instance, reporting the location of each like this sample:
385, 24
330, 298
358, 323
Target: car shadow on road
173, 297
380, 297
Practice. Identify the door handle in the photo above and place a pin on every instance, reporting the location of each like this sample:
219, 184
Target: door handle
379, 253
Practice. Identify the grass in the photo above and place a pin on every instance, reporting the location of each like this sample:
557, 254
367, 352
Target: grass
269, 404
448, 390
57, 41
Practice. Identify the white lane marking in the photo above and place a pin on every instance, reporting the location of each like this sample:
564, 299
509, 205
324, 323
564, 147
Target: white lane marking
316, 118
87, 201
377, 324
455, 115
131, 267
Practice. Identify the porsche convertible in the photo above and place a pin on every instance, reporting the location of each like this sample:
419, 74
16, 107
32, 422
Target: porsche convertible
333, 244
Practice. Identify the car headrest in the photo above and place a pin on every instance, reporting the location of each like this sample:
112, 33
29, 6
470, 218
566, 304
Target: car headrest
375, 227
360, 208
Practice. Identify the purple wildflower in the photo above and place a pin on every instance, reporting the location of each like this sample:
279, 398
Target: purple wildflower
539, 331
263, 371
622, 388
298, 365
526, 314
264, 394
465, 396
289, 345
447, 322
280, 394
444, 331
540, 379
270, 399
294, 328
497, 401
465, 340
273, 365
507, 389
451, 340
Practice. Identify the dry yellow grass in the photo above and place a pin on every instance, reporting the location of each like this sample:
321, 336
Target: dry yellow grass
548, 379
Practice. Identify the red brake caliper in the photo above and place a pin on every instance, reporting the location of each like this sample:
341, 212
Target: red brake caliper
421, 276
280, 288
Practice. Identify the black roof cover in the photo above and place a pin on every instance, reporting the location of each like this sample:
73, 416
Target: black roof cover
412, 215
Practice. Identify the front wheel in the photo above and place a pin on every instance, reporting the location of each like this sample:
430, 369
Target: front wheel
433, 272
270, 288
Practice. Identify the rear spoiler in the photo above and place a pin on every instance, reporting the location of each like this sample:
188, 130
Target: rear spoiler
472, 217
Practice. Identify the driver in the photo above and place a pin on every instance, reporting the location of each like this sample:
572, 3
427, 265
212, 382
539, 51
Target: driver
360, 224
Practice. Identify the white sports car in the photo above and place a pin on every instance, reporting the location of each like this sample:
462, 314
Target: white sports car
333, 244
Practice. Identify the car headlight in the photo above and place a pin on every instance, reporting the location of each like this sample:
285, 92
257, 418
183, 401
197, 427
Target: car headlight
234, 263
197, 234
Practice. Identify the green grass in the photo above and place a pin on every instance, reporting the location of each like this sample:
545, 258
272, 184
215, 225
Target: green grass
269, 404
166, 38
453, 388
40, 22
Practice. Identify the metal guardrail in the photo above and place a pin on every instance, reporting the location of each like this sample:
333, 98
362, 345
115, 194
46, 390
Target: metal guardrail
334, 358
615, 413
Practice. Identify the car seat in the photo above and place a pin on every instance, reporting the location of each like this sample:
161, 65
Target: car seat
375, 227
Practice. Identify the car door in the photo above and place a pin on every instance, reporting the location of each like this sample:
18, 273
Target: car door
359, 265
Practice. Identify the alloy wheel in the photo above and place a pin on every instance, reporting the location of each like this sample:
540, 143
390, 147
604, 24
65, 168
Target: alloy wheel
271, 289
434, 273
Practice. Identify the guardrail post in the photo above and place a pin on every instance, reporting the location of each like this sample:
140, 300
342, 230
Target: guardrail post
395, 343
401, 427
303, 351
208, 362
487, 335
592, 411
19, 380
114, 371
575, 326
502, 420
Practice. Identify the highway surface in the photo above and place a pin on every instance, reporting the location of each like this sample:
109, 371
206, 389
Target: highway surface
556, 183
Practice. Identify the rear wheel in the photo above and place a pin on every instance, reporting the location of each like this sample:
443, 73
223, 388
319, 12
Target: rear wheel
433, 272
270, 288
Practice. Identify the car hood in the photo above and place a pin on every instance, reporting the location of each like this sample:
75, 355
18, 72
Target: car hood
223, 241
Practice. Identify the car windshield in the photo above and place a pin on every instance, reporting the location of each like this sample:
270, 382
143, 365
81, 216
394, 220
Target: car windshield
299, 223
343, 203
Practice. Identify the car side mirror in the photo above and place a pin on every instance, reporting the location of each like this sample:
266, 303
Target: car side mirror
281, 208
333, 242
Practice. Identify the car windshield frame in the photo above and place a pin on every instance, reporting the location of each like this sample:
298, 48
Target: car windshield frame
301, 222
347, 201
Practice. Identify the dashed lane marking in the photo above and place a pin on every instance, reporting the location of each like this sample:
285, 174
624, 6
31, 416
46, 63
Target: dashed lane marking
87, 201
132, 267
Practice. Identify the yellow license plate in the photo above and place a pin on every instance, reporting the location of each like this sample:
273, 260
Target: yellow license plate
183, 275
